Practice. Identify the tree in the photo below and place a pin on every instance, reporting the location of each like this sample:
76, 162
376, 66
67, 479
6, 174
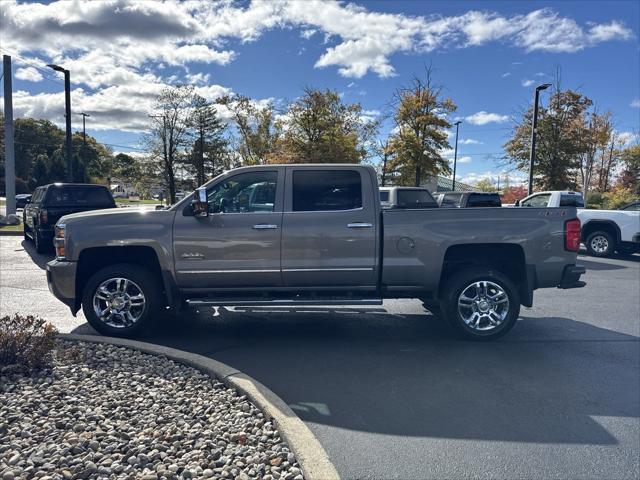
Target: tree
597, 130
561, 140
485, 185
209, 143
125, 167
511, 194
320, 128
420, 125
57, 169
630, 175
168, 134
256, 127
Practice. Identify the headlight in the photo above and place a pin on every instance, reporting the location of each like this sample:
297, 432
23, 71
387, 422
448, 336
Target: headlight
59, 241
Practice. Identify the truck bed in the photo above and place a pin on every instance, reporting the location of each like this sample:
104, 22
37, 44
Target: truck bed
417, 243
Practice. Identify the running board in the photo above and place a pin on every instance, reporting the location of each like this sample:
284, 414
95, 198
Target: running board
232, 302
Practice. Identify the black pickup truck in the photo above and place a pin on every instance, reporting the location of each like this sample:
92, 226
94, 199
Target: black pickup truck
50, 202
468, 199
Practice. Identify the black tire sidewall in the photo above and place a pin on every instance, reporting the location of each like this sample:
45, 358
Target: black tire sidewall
610, 239
37, 240
143, 278
458, 283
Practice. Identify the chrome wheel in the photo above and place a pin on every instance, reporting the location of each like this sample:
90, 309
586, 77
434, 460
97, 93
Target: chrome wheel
483, 305
599, 244
119, 302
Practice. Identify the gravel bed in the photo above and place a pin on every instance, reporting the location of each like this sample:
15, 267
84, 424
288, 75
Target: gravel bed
110, 412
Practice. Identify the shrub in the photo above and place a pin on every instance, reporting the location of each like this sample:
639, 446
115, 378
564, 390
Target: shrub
26, 342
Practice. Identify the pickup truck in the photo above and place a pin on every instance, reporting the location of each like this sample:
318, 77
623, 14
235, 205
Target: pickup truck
50, 202
310, 234
603, 231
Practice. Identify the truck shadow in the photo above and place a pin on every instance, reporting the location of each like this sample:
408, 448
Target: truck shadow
40, 259
406, 374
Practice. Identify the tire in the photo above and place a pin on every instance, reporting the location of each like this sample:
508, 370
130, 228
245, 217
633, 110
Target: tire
492, 315
600, 244
41, 246
116, 322
433, 306
25, 231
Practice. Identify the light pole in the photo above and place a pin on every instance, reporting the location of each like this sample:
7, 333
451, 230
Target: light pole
67, 109
455, 155
534, 126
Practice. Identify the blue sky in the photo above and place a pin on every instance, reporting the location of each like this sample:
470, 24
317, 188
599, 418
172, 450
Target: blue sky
488, 56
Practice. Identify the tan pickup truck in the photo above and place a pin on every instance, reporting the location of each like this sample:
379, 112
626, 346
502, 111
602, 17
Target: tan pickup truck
310, 234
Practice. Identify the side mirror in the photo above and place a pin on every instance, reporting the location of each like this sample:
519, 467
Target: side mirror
200, 204
517, 204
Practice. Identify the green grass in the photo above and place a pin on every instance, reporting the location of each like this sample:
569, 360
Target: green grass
11, 228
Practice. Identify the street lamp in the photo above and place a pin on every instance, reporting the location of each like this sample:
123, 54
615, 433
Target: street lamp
455, 155
534, 126
67, 108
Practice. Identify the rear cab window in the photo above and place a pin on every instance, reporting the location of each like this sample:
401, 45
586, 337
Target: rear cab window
571, 200
415, 199
541, 200
484, 200
326, 190
78, 195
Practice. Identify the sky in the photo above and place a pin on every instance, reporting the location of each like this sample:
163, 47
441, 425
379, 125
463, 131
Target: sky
487, 56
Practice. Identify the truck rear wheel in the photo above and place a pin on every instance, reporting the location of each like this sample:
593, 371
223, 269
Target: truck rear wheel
121, 300
481, 304
600, 244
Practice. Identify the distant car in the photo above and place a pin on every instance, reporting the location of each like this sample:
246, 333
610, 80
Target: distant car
468, 199
22, 199
50, 202
406, 197
632, 207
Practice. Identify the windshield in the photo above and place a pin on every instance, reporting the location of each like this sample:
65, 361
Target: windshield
77, 195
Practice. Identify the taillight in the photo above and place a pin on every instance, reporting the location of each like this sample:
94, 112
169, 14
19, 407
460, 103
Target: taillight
44, 216
572, 235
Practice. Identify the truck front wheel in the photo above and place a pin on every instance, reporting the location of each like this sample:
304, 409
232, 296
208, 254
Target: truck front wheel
481, 304
121, 300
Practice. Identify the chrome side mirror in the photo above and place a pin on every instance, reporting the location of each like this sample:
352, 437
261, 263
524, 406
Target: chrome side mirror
200, 204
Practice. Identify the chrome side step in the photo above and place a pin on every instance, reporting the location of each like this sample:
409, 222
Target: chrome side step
232, 302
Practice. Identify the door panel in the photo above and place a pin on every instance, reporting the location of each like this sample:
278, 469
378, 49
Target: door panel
332, 247
239, 244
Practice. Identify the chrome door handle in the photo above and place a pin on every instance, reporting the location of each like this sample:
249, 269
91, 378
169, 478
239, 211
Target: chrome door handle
264, 226
359, 225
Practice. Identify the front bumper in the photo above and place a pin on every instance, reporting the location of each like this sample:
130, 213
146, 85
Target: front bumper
61, 279
571, 277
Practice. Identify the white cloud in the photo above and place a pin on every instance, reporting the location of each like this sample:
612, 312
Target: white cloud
527, 83
626, 138
514, 178
29, 74
464, 160
470, 141
506, 74
635, 103
482, 118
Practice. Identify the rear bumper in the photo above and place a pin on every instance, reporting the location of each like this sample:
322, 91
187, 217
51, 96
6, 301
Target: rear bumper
571, 277
61, 279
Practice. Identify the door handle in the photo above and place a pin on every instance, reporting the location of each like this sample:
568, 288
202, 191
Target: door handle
359, 225
264, 226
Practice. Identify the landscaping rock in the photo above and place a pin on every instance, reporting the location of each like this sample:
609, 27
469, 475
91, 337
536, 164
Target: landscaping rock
111, 412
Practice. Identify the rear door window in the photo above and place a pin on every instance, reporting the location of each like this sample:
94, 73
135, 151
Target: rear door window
415, 199
571, 200
326, 190
484, 200
541, 200
384, 196
79, 195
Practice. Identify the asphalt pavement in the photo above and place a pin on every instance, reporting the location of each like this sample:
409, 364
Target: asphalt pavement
391, 394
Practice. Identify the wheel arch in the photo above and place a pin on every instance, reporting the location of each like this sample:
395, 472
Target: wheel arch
93, 259
507, 258
608, 226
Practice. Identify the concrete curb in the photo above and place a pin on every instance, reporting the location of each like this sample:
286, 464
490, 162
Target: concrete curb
11, 233
309, 453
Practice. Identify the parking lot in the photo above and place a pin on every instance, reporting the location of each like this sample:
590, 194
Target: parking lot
390, 394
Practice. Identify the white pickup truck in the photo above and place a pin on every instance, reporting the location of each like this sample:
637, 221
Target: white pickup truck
603, 231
